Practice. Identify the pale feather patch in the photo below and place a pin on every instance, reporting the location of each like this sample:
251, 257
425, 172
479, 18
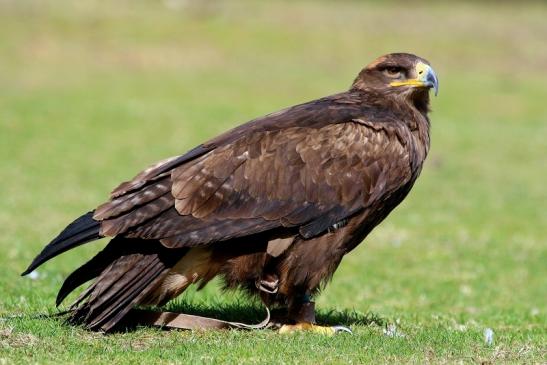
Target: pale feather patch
278, 246
191, 268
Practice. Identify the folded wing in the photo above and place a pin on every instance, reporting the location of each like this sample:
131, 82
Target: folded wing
304, 178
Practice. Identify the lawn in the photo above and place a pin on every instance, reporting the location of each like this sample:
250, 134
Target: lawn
92, 92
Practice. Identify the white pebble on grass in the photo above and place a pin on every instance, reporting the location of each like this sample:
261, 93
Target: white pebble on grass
392, 331
488, 336
34, 275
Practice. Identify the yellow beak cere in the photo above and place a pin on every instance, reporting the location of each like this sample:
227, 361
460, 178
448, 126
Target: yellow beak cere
426, 78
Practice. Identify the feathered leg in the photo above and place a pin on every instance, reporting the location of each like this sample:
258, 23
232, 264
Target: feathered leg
301, 275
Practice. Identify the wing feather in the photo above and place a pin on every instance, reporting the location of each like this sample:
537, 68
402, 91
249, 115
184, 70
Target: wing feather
307, 167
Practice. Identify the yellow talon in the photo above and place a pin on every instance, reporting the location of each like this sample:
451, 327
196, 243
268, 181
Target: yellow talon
306, 326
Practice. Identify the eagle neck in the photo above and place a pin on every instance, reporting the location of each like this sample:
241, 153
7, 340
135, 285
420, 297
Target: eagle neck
420, 133
417, 121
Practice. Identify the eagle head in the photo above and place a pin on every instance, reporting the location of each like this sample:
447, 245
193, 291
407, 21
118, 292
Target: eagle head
401, 73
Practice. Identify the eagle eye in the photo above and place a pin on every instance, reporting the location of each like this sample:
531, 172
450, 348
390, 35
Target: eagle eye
393, 72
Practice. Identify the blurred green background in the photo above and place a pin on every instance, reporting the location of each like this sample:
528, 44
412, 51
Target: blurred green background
92, 92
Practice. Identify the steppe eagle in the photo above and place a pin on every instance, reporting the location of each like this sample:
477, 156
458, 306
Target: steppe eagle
271, 206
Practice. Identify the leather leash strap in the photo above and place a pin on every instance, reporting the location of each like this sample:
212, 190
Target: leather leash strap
187, 321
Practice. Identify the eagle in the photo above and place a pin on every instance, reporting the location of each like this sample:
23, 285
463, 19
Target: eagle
271, 206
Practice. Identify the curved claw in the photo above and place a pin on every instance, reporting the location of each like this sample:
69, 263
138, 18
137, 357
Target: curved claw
340, 328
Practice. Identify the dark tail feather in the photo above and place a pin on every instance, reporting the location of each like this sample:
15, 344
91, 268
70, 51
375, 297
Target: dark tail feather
107, 315
82, 230
122, 284
89, 270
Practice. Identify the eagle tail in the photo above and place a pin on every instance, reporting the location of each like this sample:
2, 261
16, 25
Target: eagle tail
89, 270
126, 271
82, 230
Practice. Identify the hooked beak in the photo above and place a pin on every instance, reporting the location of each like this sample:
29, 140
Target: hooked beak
426, 77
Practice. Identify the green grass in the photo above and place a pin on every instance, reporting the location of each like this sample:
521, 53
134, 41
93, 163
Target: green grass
91, 92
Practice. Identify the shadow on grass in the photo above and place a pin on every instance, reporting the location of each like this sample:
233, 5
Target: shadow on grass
253, 312
249, 312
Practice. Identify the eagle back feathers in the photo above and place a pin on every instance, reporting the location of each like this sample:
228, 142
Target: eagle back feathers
308, 166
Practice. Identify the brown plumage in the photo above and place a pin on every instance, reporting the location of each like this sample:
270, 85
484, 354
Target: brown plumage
271, 206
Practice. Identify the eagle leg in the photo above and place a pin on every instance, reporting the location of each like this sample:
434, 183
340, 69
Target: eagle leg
302, 310
302, 314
